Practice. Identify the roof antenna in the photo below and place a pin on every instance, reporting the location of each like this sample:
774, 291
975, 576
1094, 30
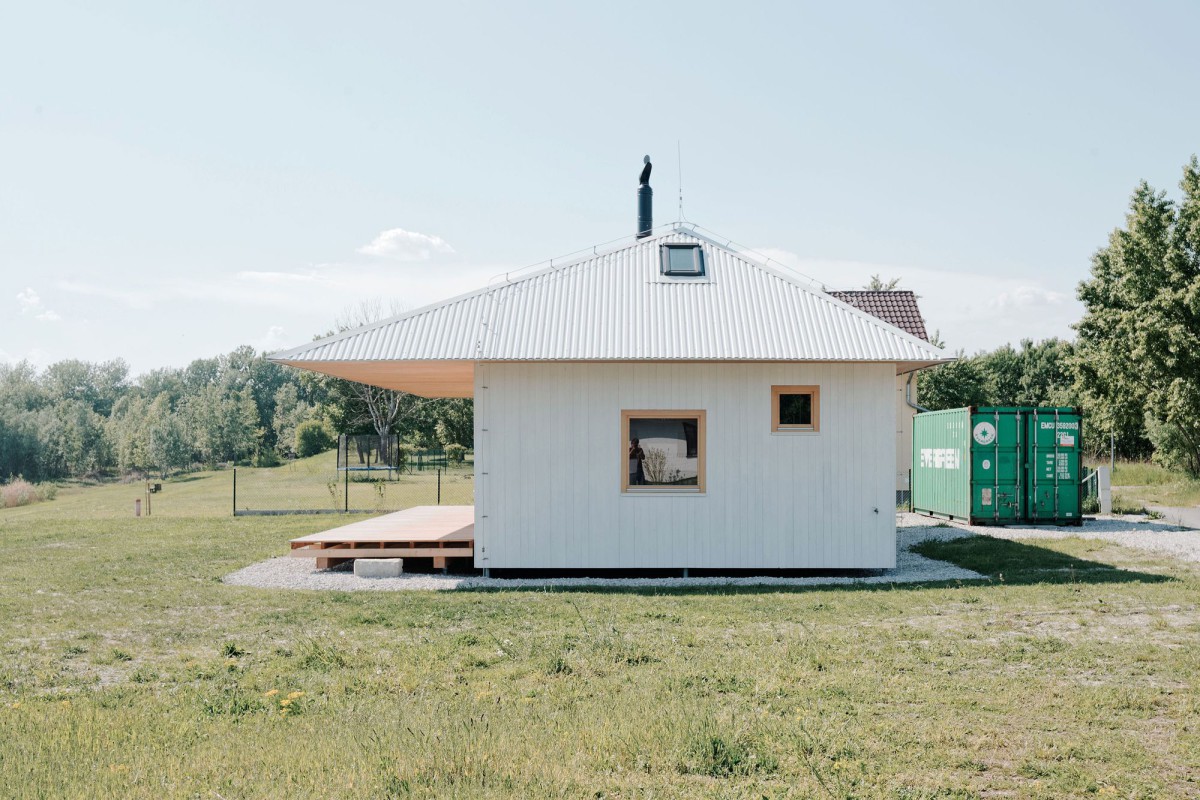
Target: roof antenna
679, 155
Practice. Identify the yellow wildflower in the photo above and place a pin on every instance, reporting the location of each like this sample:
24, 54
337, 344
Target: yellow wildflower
285, 702
66, 703
271, 693
17, 704
295, 695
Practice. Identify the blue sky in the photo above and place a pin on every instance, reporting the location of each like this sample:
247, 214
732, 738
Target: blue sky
180, 178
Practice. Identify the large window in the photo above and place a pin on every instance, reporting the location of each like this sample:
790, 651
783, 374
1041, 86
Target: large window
796, 408
662, 451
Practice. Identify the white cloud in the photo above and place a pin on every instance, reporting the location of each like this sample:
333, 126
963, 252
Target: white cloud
1030, 296
274, 339
31, 306
401, 245
28, 299
971, 311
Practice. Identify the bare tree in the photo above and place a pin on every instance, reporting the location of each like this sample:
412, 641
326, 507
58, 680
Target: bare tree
384, 408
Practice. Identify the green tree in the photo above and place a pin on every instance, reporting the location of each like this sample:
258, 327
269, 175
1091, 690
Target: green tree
223, 424
290, 412
1001, 371
954, 385
312, 437
455, 422
127, 432
168, 445
1138, 349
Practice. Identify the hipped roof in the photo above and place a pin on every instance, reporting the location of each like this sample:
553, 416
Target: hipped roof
616, 306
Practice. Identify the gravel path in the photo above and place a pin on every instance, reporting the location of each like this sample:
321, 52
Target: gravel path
1184, 517
1159, 537
301, 573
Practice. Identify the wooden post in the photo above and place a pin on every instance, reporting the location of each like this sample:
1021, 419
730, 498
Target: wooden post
235, 491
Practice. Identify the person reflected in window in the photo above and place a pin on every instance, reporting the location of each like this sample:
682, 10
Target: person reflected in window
637, 475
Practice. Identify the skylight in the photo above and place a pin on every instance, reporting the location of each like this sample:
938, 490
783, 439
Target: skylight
685, 258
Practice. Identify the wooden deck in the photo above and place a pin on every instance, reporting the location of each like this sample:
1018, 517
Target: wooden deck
433, 532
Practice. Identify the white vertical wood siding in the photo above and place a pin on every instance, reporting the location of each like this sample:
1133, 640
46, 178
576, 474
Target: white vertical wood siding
549, 456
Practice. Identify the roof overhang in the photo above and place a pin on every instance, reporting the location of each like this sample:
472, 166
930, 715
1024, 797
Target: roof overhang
456, 378
904, 367
423, 378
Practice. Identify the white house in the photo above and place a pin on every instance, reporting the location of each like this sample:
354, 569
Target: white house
764, 409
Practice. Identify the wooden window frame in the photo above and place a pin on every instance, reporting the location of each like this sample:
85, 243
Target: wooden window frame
667, 413
777, 427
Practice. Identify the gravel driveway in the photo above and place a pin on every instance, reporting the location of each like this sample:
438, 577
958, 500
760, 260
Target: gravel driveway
1159, 537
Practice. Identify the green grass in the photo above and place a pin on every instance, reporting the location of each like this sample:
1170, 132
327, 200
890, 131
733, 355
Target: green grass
1137, 484
128, 670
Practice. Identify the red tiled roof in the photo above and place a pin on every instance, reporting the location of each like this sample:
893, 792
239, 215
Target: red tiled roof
896, 306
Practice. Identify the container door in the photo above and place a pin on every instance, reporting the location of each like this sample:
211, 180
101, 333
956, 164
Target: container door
996, 463
1054, 465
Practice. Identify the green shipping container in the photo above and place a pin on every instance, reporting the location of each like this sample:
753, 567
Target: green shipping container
997, 466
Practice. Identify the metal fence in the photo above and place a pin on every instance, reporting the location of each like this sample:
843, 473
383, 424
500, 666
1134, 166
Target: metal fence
360, 477
904, 490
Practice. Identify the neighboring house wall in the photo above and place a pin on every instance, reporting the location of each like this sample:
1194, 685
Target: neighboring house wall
904, 433
550, 451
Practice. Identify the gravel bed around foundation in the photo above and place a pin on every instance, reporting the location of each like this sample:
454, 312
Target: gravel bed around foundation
301, 573
1139, 532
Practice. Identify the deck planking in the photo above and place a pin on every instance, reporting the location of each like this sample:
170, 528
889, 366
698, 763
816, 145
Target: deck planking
435, 532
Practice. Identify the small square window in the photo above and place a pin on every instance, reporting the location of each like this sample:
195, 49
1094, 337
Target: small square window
795, 408
682, 259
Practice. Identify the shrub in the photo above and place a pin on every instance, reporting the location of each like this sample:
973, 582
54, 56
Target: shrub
312, 437
455, 453
266, 457
20, 492
1173, 449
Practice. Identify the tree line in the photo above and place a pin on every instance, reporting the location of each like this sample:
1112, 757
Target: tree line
78, 418
1134, 367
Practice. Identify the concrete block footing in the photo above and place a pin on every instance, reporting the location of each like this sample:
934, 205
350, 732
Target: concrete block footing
378, 567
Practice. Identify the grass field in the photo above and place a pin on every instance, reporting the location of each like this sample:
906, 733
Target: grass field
1142, 483
128, 670
304, 484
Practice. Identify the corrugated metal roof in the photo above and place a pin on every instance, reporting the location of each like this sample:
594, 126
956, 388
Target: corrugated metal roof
896, 306
617, 306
